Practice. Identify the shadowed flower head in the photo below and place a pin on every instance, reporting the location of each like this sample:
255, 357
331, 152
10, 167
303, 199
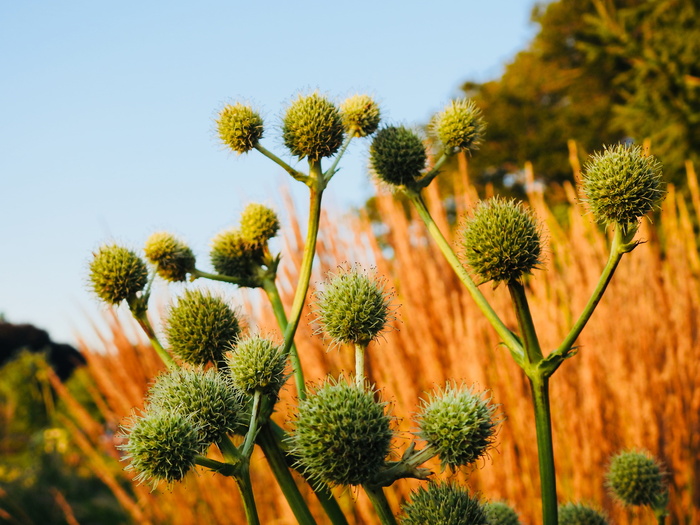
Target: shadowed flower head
636, 478
397, 156
443, 504
500, 513
172, 258
579, 514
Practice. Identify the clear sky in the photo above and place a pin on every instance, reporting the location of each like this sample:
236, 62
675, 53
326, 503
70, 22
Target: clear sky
107, 109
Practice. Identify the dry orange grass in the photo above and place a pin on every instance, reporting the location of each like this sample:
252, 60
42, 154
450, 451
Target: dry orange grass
635, 382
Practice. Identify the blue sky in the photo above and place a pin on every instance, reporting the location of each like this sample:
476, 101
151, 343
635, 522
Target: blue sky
107, 109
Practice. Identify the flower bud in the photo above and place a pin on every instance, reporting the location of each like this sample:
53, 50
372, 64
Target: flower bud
353, 307
259, 224
621, 185
342, 435
502, 240
117, 273
443, 504
172, 258
500, 513
579, 514
360, 115
240, 128
232, 255
200, 328
312, 127
636, 478
257, 364
458, 424
459, 126
397, 156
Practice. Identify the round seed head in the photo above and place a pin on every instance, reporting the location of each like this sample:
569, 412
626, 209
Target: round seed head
360, 115
353, 307
257, 364
621, 185
312, 127
458, 424
240, 128
397, 155
259, 224
161, 446
636, 478
172, 258
207, 398
500, 513
342, 435
200, 328
502, 240
459, 126
232, 255
443, 504
579, 514
117, 273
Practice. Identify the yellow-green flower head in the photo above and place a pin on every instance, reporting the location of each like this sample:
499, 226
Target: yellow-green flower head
397, 156
502, 240
240, 128
500, 513
161, 446
172, 258
443, 504
232, 255
360, 115
312, 127
259, 224
621, 185
207, 398
342, 435
117, 273
200, 328
458, 424
579, 514
353, 307
459, 126
257, 364
636, 478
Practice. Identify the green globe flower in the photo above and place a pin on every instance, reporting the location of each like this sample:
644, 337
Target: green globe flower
636, 478
231, 254
397, 156
312, 127
117, 274
443, 504
172, 258
240, 128
259, 224
459, 126
579, 514
257, 364
500, 513
360, 115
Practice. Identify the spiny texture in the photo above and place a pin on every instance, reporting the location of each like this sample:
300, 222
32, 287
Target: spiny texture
397, 156
579, 514
117, 273
342, 435
621, 185
257, 364
360, 115
443, 504
353, 307
500, 513
240, 128
458, 424
232, 255
636, 479
200, 328
459, 126
502, 240
207, 398
172, 258
312, 127
259, 224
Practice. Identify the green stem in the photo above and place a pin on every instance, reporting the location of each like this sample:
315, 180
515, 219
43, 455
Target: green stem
246, 489
249, 442
229, 451
533, 352
294, 173
381, 505
328, 175
545, 449
428, 177
225, 469
142, 319
218, 277
360, 365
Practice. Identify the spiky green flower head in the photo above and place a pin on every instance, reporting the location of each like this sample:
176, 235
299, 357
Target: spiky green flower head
240, 127
201, 327
360, 115
312, 127
397, 156
117, 273
459, 126
443, 504
161, 446
206, 397
621, 185
232, 255
636, 478
353, 307
459, 424
172, 258
257, 364
502, 240
500, 513
580, 514
342, 434
259, 224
